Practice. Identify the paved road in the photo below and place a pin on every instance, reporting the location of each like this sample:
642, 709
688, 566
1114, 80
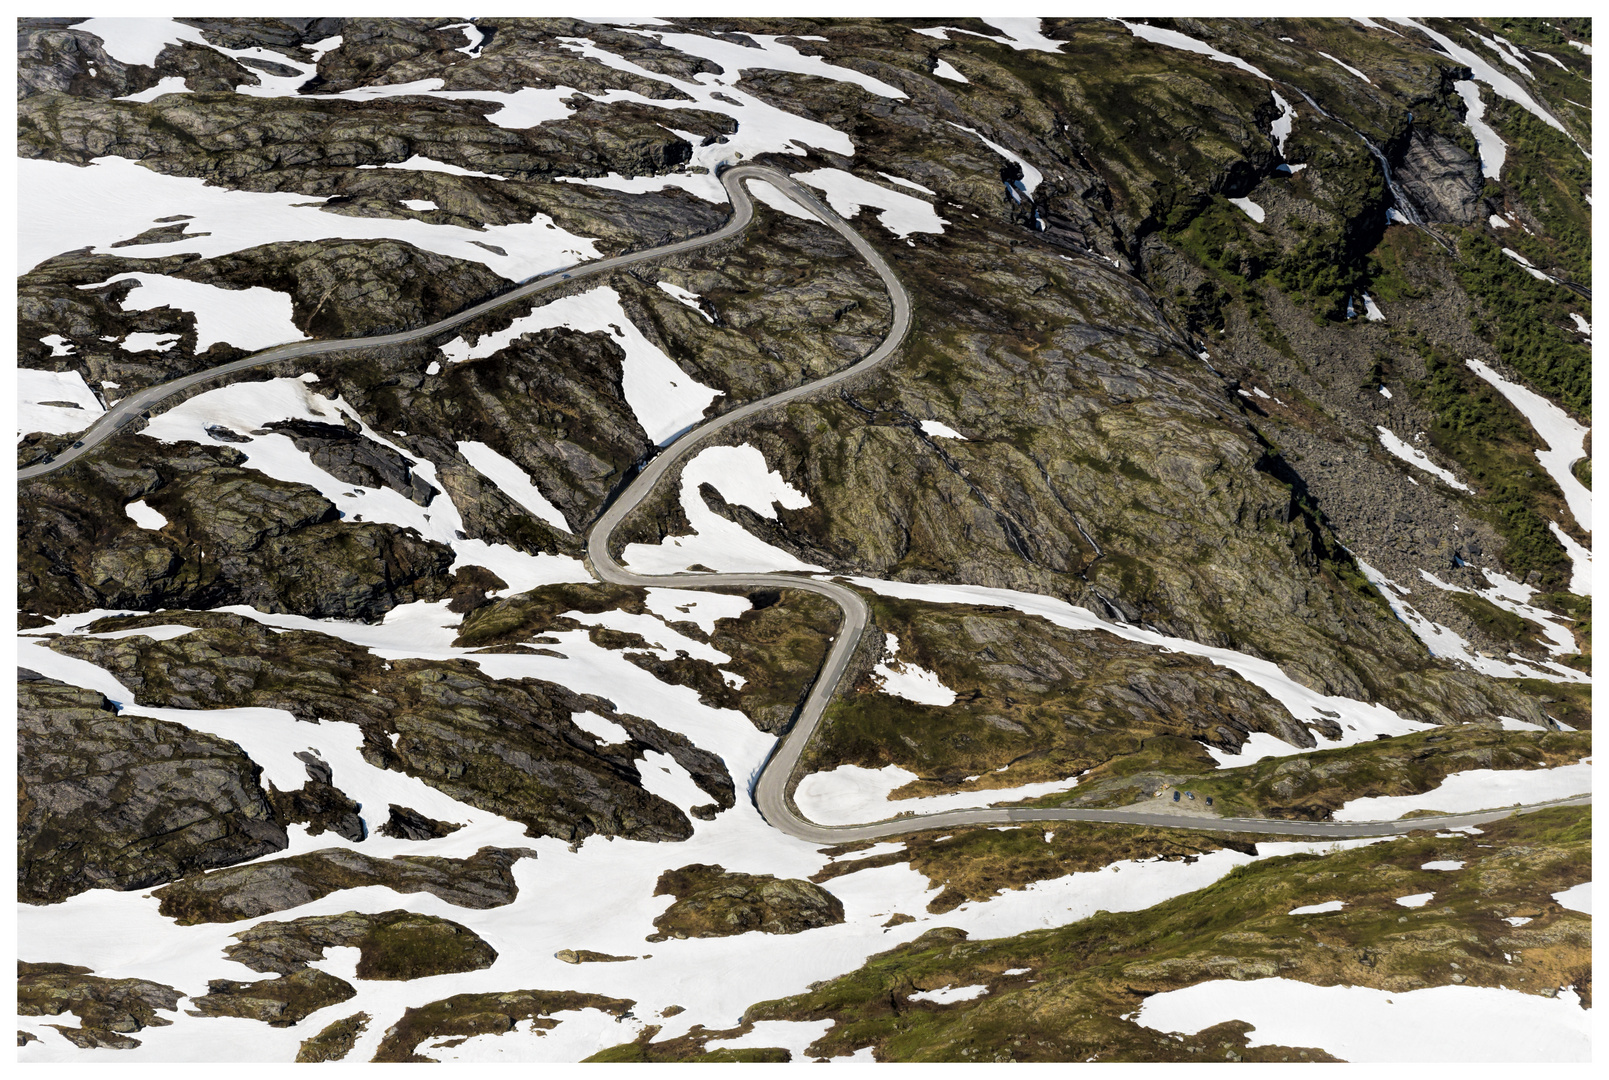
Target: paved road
770, 792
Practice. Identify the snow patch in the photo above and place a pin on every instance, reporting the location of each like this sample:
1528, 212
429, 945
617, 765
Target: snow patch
1566, 439
113, 199
846, 193
950, 994
945, 70
1443, 864
1252, 210
1360, 722
1356, 1023
1175, 40
906, 680
144, 516
140, 342
743, 478
1282, 126
1441, 641
512, 481
34, 387
168, 84
1318, 909
1415, 457
1350, 69
1580, 560
1418, 900
420, 163
250, 319
664, 398
1500, 83
1576, 898
1477, 789
682, 296
1493, 151
854, 795
937, 430
704, 609
1031, 177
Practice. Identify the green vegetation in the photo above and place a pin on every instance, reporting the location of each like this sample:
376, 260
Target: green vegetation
1312, 784
976, 864
335, 1041
1085, 979
1501, 624
712, 901
1529, 314
1478, 428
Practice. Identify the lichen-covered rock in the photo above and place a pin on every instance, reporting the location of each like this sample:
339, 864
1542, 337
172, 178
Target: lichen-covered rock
280, 1002
234, 536
464, 1015
394, 945
125, 802
714, 902
483, 880
109, 1008
335, 1041
509, 746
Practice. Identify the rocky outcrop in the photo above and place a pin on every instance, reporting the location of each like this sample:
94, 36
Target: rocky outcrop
395, 945
484, 880
714, 902
318, 804
234, 536
457, 1018
508, 746
335, 1041
109, 1009
408, 824
126, 802
281, 1002
1442, 178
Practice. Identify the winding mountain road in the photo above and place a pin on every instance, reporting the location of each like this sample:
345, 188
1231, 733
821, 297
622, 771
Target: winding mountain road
771, 789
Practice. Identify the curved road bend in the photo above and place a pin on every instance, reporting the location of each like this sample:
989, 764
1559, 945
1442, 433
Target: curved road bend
770, 792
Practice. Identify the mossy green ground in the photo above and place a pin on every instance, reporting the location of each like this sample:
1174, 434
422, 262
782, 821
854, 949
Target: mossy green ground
1083, 980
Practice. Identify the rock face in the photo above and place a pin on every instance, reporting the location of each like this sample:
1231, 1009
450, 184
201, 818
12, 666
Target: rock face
483, 880
395, 945
464, 1015
280, 1002
234, 536
714, 902
335, 1041
109, 1008
1442, 178
125, 802
407, 824
510, 747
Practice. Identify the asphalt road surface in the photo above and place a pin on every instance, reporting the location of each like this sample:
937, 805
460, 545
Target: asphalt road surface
771, 789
